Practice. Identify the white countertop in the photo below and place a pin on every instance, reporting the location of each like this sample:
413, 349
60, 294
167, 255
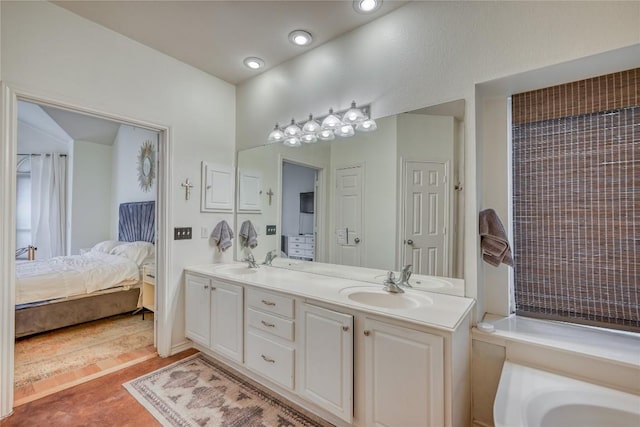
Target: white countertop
444, 312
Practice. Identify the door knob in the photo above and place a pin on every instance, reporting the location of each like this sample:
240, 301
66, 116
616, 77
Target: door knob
409, 242
357, 240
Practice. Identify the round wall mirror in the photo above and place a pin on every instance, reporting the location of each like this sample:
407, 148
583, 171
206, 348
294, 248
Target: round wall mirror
146, 162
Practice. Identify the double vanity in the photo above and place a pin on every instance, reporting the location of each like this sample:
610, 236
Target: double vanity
338, 345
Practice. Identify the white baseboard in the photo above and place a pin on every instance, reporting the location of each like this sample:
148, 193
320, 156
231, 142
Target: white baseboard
177, 348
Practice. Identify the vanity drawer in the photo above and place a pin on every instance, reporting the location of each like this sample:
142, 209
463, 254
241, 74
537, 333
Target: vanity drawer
293, 246
309, 239
271, 303
270, 359
301, 252
272, 324
296, 239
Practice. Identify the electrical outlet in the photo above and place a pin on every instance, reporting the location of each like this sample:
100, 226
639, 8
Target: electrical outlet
182, 233
204, 232
271, 230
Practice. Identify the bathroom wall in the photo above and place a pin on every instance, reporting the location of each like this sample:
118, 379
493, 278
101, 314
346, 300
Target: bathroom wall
426, 53
53, 53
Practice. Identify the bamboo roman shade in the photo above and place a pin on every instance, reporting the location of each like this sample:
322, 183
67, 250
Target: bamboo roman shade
576, 201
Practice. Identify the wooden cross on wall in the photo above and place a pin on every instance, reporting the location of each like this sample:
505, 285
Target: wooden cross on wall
187, 188
270, 194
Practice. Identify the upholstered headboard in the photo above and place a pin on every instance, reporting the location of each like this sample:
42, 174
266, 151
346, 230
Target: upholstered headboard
137, 222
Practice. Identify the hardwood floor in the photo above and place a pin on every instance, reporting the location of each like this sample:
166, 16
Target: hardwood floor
100, 402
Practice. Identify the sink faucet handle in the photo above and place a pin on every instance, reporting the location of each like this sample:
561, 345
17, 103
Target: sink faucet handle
391, 277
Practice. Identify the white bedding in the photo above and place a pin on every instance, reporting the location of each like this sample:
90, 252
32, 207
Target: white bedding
67, 276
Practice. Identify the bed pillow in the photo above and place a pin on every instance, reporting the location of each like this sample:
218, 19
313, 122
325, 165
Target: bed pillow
138, 252
106, 246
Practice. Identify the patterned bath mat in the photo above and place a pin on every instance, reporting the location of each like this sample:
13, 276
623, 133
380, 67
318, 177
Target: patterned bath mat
197, 392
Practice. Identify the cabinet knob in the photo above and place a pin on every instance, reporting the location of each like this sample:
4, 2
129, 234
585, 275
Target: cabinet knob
213, 288
367, 333
267, 359
206, 286
345, 328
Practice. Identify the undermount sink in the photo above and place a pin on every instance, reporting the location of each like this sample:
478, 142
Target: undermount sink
380, 298
238, 269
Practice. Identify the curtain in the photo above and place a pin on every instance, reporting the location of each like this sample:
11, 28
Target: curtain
49, 205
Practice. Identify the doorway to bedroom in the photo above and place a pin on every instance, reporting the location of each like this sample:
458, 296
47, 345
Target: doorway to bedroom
86, 189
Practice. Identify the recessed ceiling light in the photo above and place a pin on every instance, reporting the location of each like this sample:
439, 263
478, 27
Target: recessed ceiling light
300, 37
253, 63
366, 6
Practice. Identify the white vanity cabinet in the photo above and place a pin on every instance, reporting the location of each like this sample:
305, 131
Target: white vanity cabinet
214, 315
270, 336
325, 367
197, 308
404, 376
297, 334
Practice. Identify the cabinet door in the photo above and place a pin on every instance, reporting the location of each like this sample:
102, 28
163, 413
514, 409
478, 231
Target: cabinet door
226, 319
326, 359
404, 378
197, 309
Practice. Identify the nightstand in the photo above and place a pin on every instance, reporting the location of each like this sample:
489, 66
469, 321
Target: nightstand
148, 288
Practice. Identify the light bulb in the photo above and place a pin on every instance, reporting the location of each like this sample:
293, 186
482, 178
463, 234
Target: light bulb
367, 5
253, 63
326, 135
353, 115
309, 138
292, 130
345, 131
300, 37
276, 135
331, 122
368, 125
311, 126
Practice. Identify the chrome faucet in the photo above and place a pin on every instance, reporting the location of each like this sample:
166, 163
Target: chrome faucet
390, 284
251, 260
269, 257
405, 274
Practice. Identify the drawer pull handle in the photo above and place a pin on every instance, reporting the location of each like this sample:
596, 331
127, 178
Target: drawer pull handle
206, 286
345, 328
265, 302
267, 324
267, 359
213, 288
151, 275
366, 333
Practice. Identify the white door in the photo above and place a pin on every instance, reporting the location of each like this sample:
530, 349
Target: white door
404, 378
348, 216
327, 342
198, 308
425, 218
226, 319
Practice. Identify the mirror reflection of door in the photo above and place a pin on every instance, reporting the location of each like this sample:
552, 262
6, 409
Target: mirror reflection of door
299, 209
348, 216
425, 218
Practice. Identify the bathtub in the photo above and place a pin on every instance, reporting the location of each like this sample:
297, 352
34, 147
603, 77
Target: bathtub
529, 397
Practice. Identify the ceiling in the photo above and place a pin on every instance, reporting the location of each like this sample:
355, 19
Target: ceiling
66, 125
216, 36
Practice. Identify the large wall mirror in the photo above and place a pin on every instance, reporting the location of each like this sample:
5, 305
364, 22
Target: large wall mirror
380, 200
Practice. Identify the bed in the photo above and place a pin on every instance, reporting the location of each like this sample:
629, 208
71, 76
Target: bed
103, 281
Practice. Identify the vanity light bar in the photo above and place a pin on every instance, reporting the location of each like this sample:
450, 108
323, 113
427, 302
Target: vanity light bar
344, 123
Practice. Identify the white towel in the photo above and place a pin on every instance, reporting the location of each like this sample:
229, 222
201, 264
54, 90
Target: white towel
222, 235
248, 235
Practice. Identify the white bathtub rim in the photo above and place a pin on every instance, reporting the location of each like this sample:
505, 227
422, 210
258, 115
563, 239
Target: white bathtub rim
521, 387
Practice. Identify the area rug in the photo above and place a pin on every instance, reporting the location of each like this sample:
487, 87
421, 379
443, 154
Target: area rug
198, 392
64, 350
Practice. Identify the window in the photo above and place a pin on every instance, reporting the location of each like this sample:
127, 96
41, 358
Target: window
576, 201
23, 204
